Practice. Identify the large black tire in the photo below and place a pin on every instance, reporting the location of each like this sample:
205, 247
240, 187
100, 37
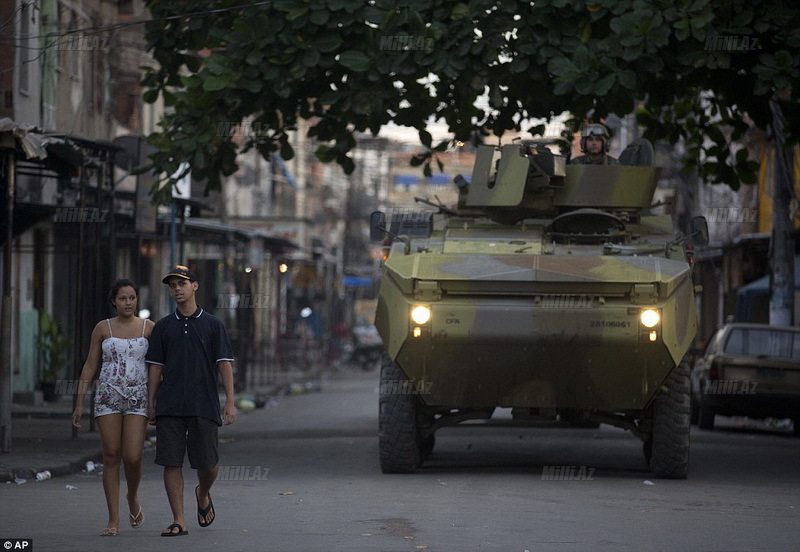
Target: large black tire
669, 444
705, 419
398, 438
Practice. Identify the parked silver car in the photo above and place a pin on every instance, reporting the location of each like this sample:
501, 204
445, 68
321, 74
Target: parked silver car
748, 370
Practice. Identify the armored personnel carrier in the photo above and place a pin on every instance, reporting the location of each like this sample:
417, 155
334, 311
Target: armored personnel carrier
549, 289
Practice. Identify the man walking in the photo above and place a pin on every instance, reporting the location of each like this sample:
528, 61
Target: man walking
189, 353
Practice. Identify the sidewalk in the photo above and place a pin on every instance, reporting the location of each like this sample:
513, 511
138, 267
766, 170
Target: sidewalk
41, 437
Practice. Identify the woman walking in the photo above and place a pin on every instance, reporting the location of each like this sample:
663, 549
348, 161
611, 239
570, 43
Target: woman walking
119, 346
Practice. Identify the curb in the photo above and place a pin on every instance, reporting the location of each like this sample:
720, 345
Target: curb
8, 475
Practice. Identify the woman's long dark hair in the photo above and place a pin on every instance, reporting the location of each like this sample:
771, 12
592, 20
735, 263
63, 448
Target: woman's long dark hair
121, 283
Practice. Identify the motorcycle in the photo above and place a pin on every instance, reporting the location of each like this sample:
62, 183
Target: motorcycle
367, 347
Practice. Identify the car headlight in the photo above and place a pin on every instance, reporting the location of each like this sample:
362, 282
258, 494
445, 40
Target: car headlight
650, 318
420, 314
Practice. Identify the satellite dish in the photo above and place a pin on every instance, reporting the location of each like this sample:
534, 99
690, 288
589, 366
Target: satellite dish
639, 152
133, 152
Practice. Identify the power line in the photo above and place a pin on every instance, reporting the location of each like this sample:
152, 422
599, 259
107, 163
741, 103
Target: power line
21, 7
99, 29
55, 37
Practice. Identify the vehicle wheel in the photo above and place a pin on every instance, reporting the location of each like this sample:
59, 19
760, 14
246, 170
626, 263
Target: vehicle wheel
398, 439
705, 416
796, 430
669, 444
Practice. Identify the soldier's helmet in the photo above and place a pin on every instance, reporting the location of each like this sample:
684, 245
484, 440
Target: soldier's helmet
595, 129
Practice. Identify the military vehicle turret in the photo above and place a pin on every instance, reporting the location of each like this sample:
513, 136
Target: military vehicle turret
549, 289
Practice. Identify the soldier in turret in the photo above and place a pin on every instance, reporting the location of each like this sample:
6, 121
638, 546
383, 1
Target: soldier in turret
594, 145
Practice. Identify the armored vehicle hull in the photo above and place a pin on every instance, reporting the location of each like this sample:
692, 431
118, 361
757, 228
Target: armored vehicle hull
550, 291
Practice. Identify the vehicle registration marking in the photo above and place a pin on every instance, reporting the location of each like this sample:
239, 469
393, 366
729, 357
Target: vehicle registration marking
609, 324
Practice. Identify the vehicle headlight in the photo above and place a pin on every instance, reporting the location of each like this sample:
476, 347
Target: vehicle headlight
420, 314
650, 318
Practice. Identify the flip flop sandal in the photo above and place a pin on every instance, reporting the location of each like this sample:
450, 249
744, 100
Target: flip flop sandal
170, 533
202, 513
138, 519
109, 532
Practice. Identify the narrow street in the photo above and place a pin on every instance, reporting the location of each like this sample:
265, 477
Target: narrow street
303, 475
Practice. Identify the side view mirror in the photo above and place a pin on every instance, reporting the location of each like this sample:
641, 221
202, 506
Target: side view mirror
377, 225
699, 231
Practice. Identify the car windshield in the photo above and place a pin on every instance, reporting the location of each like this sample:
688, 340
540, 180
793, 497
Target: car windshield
764, 342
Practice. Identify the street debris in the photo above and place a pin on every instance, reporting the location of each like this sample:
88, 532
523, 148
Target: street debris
249, 402
244, 404
92, 468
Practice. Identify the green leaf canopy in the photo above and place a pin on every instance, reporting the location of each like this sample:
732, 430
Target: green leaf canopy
692, 68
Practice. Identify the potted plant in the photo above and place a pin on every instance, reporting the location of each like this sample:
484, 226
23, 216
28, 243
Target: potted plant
53, 347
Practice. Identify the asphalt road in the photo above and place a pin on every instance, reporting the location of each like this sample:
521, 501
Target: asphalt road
303, 475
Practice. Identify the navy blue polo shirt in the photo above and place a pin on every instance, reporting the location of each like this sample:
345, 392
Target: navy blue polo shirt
189, 348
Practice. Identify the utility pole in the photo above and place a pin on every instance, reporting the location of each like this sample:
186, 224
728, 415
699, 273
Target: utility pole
5, 307
781, 302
